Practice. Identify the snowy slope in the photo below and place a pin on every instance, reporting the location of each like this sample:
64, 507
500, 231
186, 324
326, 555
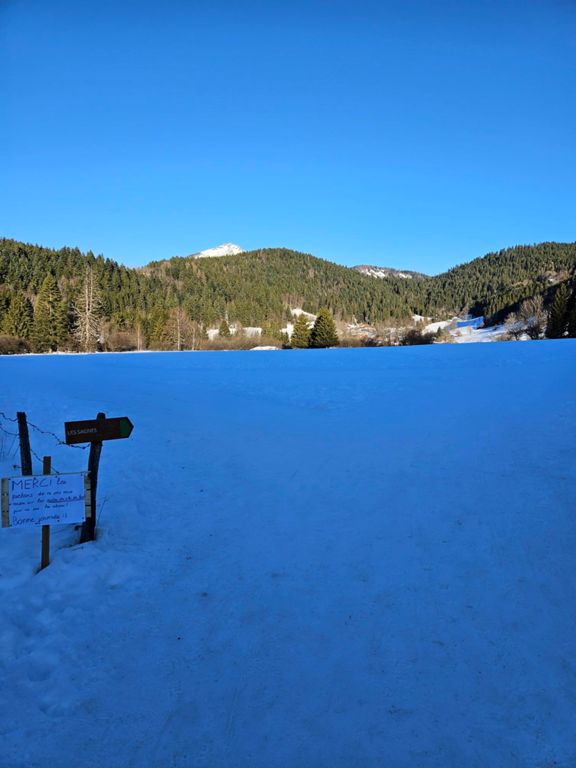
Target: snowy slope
308, 559
226, 249
382, 272
473, 335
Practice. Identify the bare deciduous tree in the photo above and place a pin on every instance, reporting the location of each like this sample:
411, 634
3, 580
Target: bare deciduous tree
184, 333
530, 319
532, 315
88, 313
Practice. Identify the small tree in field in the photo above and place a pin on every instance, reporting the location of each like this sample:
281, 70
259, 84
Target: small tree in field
324, 332
224, 330
300, 338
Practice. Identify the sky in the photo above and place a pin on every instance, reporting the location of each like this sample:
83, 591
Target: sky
414, 134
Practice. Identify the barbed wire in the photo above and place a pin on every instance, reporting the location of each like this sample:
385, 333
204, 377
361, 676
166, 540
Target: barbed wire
35, 427
10, 452
7, 432
52, 468
55, 437
32, 451
41, 431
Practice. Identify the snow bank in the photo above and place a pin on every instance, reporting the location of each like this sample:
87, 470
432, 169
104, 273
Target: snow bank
322, 558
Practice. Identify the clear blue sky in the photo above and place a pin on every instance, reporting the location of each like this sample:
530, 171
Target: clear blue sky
415, 134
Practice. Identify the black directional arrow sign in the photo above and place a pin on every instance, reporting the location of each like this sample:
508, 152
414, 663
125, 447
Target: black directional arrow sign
96, 430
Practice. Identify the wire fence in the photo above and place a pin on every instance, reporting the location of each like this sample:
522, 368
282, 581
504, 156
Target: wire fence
4, 417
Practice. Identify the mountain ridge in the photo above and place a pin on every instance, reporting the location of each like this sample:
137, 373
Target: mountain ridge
260, 287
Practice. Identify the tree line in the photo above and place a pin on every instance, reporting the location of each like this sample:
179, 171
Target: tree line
65, 299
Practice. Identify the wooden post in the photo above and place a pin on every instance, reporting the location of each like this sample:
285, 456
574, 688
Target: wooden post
24, 437
89, 527
45, 559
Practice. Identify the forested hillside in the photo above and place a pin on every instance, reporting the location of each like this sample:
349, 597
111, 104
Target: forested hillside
65, 299
259, 287
495, 284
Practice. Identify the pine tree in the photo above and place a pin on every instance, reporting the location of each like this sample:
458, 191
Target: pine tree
571, 314
301, 334
4, 303
49, 331
19, 318
324, 331
558, 315
158, 333
224, 330
66, 321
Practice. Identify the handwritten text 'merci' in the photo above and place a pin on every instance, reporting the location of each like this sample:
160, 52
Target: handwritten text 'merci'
30, 483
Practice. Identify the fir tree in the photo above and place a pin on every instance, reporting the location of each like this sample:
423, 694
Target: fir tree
4, 303
19, 318
158, 333
224, 330
571, 314
49, 331
301, 334
324, 332
558, 315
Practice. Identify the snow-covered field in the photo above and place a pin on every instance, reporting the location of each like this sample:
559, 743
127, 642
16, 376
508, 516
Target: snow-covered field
310, 559
469, 335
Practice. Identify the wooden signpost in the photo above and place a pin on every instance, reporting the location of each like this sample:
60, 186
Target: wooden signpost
50, 499
98, 429
95, 431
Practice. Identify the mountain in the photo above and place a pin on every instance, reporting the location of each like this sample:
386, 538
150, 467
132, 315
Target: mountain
494, 285
260, 288
382, 272
226, 249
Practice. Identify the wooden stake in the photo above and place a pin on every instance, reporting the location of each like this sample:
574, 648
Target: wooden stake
25, 452
26, 465
89, 527
45, 559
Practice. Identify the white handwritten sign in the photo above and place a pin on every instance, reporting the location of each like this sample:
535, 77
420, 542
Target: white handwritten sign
43, 500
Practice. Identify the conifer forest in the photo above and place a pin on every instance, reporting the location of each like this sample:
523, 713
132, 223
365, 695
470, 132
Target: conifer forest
64, 299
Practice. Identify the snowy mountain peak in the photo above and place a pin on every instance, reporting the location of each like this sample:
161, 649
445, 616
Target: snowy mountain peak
226, 249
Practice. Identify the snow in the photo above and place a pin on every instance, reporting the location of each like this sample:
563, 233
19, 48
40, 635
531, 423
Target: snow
252, 330
297, 311
226, 249
382, 272
468, 334
434, 327
341, 558
263, 348
471, 335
